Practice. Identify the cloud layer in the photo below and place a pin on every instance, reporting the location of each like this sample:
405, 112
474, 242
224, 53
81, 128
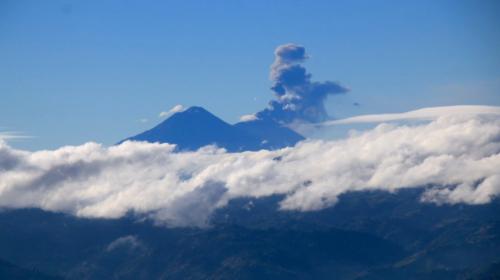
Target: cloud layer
298, 99
455, 158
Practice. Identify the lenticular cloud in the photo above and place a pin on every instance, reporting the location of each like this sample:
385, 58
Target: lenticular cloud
456, 158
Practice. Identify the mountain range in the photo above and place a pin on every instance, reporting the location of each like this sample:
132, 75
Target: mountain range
196, 127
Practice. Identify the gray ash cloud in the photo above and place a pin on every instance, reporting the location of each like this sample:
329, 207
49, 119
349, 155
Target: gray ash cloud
297, 97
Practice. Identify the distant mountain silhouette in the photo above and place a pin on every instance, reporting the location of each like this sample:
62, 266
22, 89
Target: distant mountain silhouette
196, 127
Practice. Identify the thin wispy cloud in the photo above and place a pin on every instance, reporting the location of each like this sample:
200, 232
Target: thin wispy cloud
13, 135
247, 118
455, 157
176, 109
421, 114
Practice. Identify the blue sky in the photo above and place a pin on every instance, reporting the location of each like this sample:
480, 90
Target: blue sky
75, 71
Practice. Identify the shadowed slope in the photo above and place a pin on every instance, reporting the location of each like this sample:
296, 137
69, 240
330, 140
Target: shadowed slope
196, 127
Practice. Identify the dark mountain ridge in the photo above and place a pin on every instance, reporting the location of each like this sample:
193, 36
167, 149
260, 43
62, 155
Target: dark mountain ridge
367, 235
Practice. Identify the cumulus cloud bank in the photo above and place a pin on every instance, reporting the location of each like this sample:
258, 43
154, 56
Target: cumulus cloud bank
298, 99
456, 158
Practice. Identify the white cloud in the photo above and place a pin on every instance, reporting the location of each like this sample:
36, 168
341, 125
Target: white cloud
458, 156
248, 118
11, 135
176, 109
431, 113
